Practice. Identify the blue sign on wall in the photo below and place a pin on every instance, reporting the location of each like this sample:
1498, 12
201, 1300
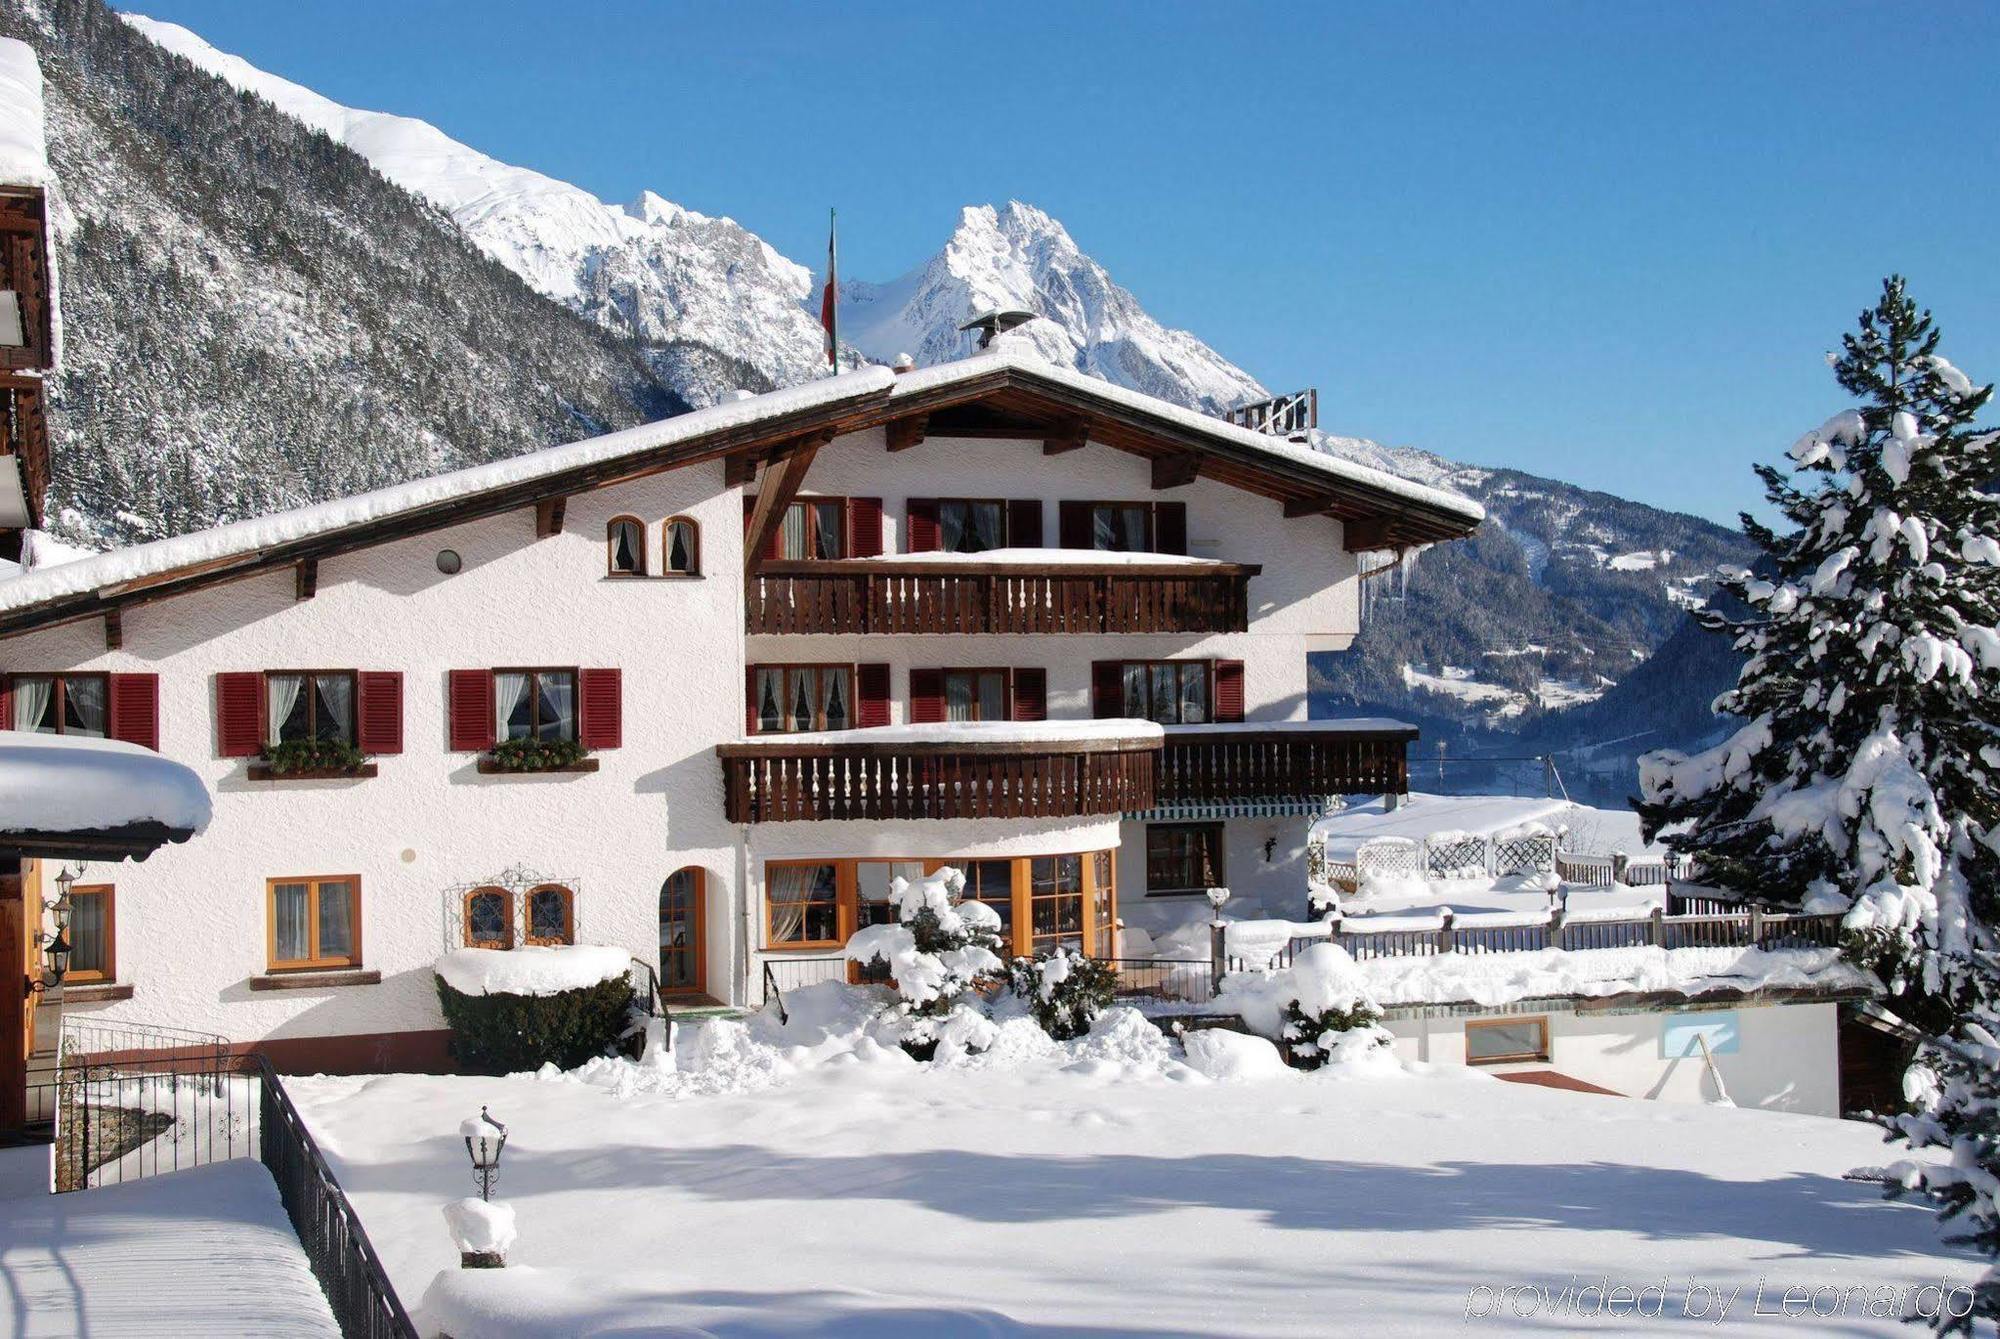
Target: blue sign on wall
1677, 1036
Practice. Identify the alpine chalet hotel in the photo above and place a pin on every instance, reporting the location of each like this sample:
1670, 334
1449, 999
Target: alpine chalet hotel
702, 688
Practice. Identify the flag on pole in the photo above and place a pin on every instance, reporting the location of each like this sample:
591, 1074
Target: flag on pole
829, 302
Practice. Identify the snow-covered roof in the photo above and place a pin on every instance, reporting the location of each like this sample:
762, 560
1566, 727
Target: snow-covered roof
54, 786
1419, 815
24, 154
967, 734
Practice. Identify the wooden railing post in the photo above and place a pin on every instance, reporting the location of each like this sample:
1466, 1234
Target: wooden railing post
1756, 926
1659, 923
1447, 937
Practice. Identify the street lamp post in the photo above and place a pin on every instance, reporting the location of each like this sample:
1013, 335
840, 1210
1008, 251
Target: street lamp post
484, 1138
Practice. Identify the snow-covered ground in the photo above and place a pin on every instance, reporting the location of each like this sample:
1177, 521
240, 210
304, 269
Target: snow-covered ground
201, 1252
1100, 1186
1421, 814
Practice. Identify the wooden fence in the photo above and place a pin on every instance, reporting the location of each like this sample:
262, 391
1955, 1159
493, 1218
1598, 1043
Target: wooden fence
1738, 929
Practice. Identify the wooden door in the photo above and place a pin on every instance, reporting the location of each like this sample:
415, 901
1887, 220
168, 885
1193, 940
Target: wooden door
683, 932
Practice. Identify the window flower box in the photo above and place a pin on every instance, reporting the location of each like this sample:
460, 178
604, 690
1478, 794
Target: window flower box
537, 755
311, 760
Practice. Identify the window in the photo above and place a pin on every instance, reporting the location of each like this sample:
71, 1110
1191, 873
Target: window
625, 538
92, 931
814, 528
1104, 903
535, 704
1055, 902
788, 699
976, 695
683, 547
967, 525
681, 947
1172, 692
61, 704
309, 705
1183, 857
315, 922
1122, 527
1500, 1041
489, 918
872, 882
804, 906
992, 882
551, 915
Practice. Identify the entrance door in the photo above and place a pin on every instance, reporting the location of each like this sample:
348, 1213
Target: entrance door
681, 937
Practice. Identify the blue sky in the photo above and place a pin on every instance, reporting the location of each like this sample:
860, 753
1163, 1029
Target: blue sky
1604, 242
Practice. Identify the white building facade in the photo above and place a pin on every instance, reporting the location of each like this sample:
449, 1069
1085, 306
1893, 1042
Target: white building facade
700, 689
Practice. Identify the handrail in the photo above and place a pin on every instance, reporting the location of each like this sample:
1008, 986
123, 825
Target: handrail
774, 995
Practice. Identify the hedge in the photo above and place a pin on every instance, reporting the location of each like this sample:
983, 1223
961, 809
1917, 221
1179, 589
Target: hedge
504, 1034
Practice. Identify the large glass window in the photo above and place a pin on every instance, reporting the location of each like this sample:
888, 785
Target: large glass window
804, 904
535, 704
966, 525
976, 695
793, 698
315, 922
1183, 857
317, 705
60, 704
1502, 1040
1056, 902
1122, 527
814, 528
91, 956
992, 882
1172, 692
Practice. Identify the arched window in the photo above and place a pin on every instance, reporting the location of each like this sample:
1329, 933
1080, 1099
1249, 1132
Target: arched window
682, 540
551, 915
625, 537
681, 899
489, 918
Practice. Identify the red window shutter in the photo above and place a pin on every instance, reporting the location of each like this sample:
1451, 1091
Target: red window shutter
135, 709
1073, 525
239, 714
1170, 527
379, 712
923, 536
1024, 523
926, 696
600, 709
871, 695
6, 702
749, 699
471, 698
774, 547
864, 527
1228, 690
1031, 694
1107, 689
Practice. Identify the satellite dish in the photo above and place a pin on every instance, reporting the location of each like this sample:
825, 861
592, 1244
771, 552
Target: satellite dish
997, 322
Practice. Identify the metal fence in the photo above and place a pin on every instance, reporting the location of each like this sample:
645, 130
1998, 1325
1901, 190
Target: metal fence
1163, 982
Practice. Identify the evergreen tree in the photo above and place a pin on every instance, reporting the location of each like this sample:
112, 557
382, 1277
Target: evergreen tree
940, 947
1867, 777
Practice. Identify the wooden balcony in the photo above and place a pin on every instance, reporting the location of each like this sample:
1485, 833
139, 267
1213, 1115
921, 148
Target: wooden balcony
863, 595
780, 781
1282, 765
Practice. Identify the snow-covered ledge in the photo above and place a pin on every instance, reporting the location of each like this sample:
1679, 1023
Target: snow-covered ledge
73, 795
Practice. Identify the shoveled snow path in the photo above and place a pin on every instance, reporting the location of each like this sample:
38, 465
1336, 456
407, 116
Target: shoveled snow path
852, 1195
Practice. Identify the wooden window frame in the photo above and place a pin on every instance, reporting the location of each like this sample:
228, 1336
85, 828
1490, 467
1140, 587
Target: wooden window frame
535, 699
465, 917
528, 935
1217, 862
1541, 1056
667, 548
700, 921
812, 502
1006, 527
316, 962
787, 668
109, 972
312, 700
1006, 673
1152, 521
59, 697
611, 568
843, 906
1207, 668
1082, 897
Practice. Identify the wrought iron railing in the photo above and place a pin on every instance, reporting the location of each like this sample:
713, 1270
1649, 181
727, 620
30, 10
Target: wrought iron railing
133, 1100
1164, 981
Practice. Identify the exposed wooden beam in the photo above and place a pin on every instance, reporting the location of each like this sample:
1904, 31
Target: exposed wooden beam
1374, 532
1307, 506
904, 433
781, 485
739, 470
549, 516
1176, 471
308, 578
114, 629
1070, 436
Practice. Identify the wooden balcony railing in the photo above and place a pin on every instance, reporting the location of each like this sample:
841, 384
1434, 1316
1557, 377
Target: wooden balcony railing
867, 596
1235, 764
778, 782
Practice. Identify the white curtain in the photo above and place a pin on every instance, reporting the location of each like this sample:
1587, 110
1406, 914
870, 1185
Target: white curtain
1135, 692
958, 697
86, 933
336, 905
510, 697
291, 903
791, 887
1194, 694
834, 707
558, 706
31, 702
85, 701
282, 696
1134, 519
951, 526
680, 547
770, 687
985, 520
794, 532
336, 706
992, 697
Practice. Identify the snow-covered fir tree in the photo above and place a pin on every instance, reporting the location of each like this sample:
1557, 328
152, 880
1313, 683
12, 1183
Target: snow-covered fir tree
1865, 777
938, 948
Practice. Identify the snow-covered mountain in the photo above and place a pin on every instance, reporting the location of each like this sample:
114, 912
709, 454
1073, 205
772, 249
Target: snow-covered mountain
1018, 256
678, 283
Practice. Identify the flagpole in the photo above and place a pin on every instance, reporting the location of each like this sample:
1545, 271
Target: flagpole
833, 286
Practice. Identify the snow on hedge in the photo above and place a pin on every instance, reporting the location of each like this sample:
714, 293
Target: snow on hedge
24, 154
532, 969
72, 783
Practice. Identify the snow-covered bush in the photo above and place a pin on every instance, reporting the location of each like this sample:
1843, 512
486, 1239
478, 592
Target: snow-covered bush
1318, 1010
935, 952
502, 1033
1064, 990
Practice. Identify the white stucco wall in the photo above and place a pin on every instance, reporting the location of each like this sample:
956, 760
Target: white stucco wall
1787, 1056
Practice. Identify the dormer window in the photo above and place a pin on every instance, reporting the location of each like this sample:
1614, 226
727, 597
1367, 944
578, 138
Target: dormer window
626, 540
683, 547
